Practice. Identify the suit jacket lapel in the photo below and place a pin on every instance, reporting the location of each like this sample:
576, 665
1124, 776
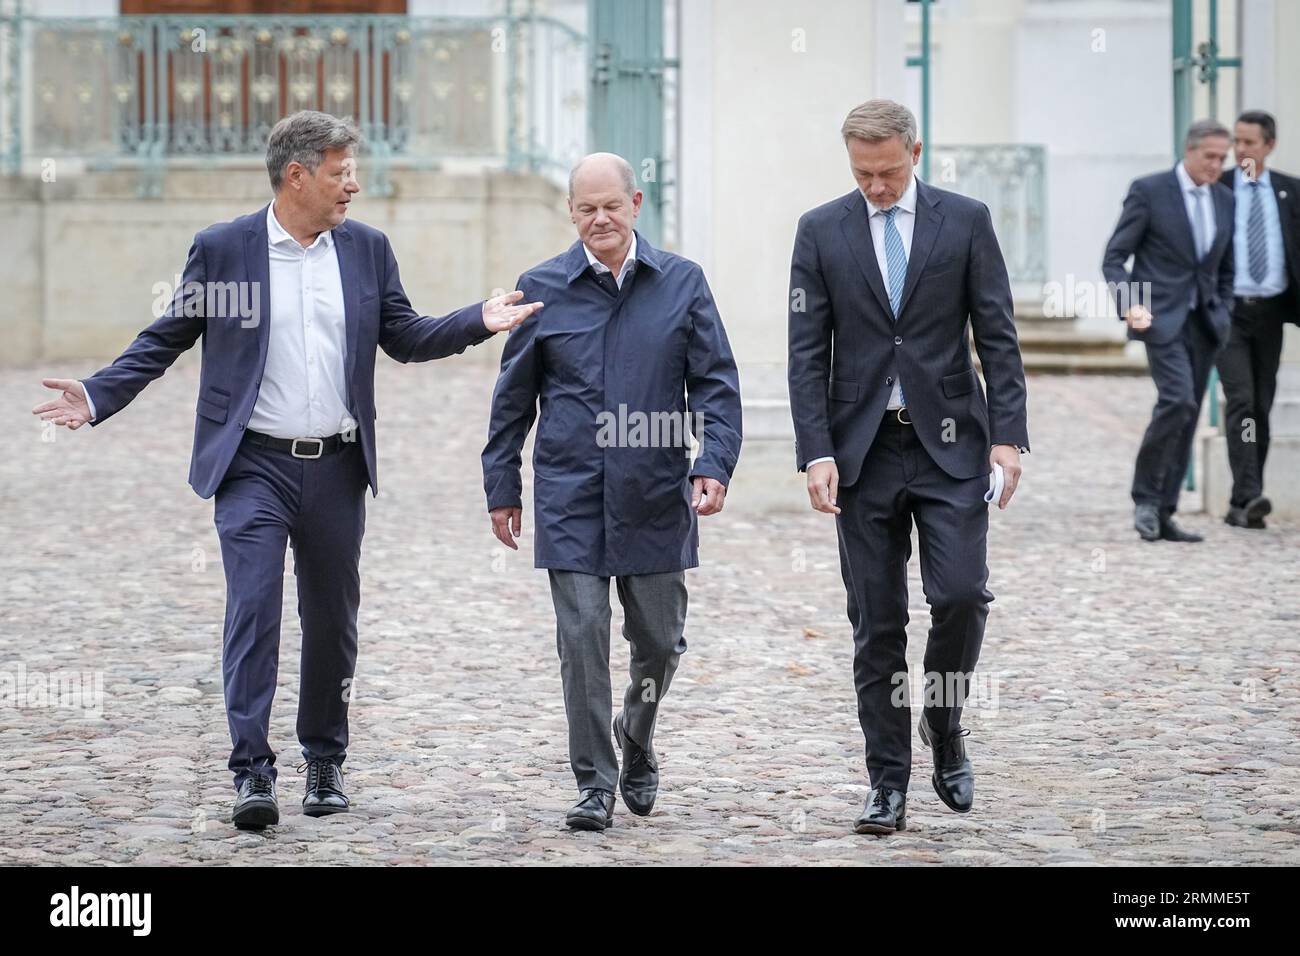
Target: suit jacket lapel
857, 232
1224, 209
346, 250
1186, 236
257, 266
1285, 216
924, 233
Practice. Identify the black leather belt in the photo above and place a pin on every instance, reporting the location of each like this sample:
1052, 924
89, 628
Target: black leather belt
1255, 301
309, 448
897, 417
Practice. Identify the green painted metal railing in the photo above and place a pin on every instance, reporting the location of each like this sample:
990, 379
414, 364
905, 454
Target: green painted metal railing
1189, 69
922, 61
628, 71
155, 90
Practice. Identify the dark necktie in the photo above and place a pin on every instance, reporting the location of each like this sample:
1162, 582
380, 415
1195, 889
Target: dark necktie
606, 281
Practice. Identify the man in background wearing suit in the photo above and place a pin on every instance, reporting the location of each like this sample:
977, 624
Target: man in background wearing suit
1177, 226
891, 425
1266, 250
285, 432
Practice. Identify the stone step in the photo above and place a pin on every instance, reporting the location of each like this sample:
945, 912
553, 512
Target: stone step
1284, 418
1069, 342
1071, 363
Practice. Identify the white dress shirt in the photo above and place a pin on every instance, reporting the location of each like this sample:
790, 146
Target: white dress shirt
905, 222
304, 385
304, 391
629, 262
1275, 280
1192, 194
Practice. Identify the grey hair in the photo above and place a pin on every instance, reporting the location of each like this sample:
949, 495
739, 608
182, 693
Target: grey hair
624, 168
877, 120
1204, 129
303, 137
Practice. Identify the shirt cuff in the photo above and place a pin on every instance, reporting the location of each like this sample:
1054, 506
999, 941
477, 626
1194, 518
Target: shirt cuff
89, 402
817, 460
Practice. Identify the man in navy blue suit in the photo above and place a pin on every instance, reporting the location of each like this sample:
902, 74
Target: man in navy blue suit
1177, 225
888, 283
284, 434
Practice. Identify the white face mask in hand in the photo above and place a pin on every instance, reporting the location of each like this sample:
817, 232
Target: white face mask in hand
997, 479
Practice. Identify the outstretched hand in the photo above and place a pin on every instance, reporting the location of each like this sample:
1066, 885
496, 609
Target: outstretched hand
70, 408
500, 314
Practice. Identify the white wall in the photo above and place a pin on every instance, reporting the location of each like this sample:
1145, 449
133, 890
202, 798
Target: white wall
1105, 115
760, 143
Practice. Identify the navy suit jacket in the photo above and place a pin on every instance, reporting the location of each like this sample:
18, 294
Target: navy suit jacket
376, 311
611, 495
1154, 229
846, 349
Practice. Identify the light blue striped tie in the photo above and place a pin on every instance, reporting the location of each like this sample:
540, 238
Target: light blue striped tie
896, 263
1256, 240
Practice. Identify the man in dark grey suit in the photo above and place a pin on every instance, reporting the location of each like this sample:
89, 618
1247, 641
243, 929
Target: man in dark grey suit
1266, 252
1177, 226
891, 425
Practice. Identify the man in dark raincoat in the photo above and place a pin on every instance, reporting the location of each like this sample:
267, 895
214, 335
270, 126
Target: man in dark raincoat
632, 367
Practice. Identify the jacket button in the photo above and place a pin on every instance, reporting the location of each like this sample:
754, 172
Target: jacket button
889, 380
241, 426
898, 340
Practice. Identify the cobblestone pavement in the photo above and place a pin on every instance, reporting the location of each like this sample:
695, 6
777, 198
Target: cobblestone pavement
1140, 701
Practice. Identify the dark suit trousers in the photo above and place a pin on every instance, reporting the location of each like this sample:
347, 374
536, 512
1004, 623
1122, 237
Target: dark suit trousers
654, 617
267, 499
1180, 369
899, 483
1248, 369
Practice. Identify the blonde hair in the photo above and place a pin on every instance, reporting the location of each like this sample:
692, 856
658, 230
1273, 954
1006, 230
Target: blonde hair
877, 120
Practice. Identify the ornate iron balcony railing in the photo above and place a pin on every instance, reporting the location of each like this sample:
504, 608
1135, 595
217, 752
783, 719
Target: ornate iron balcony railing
153, 90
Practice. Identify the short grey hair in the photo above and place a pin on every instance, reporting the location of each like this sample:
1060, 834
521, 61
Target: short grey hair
1204, 129
878, 120
624, 168
303, 137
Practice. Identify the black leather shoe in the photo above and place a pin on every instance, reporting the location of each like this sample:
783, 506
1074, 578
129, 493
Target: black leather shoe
953, 777
885, 812
1256, 510
1236, 517
256, 806
594, 811
324, 789
1146, 519
638, 781
1170, 531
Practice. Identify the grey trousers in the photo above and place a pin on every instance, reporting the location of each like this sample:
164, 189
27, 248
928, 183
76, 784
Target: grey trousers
654, 610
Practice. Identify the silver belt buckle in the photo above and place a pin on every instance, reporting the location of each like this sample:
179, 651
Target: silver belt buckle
320, 448
898, 413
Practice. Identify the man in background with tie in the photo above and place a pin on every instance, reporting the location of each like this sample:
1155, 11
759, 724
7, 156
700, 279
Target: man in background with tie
1266, 249
886, 285
1177, 226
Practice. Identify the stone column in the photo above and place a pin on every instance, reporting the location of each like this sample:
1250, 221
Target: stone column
1282, 472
